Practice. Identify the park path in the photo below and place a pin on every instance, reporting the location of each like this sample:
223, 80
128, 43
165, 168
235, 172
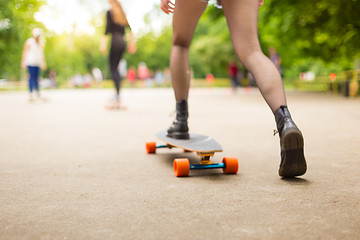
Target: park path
69, 169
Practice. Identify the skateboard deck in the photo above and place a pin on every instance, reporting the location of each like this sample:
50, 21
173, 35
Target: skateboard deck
38, 99
115, 107
202, 145
196, 143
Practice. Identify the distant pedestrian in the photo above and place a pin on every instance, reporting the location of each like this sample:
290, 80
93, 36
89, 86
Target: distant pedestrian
52, 78
233, 74
88, 79
167, 77
122, 68
33, 59
159, 77
78, 80
149, 81
131, 75
143, 71
96, 72
276, 59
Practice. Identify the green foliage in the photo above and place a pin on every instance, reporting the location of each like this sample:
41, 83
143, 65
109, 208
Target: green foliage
324, 33
153, 49
309, 35
328, 29
19, 14
319, 36
211, 50
71, 54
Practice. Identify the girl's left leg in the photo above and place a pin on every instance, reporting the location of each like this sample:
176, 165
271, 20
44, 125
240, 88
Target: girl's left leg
241, 16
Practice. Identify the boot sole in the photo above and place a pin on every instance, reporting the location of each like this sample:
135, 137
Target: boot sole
179, 135
294, 163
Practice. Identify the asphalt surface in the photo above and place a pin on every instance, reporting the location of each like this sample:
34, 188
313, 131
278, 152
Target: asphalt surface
70, 169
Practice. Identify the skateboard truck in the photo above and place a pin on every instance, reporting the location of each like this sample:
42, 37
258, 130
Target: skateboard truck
182, 166
205, 158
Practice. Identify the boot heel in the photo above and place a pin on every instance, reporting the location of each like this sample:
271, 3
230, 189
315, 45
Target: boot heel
292, 140
293, 161
293, 164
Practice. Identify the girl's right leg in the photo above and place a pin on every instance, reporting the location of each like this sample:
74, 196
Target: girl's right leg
186, 16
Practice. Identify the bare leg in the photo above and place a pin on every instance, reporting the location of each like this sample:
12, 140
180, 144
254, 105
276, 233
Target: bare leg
241, 16
186, 16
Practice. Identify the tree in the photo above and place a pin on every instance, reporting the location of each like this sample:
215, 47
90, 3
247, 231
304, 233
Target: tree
153, 49
17, 21
309, 35
211, 49
328, 29
70, 54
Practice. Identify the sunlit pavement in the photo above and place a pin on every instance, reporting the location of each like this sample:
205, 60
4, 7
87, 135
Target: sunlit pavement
70, 169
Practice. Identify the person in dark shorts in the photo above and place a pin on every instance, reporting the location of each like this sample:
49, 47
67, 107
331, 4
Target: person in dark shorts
242, 17
116, 24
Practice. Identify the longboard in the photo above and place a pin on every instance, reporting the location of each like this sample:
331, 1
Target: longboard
38, 99
203, 146
115, 106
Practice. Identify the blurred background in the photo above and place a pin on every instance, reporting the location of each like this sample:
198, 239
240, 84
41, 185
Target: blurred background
317, 43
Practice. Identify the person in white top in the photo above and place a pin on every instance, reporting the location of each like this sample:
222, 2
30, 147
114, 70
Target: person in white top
33, 58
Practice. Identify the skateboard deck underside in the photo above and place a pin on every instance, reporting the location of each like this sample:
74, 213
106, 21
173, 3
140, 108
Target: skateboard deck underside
196, 143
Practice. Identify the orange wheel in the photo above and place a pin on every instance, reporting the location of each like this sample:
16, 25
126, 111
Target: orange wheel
181, 167
151, 147
231, 165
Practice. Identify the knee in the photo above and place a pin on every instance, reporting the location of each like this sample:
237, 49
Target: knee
180, 41
246, 55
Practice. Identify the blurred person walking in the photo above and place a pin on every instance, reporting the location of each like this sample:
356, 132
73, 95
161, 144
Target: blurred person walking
241, 17
131, 76
116, 24
276, 59
33, 59
96, 72
233, 74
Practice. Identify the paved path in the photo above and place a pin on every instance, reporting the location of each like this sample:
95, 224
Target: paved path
69, 169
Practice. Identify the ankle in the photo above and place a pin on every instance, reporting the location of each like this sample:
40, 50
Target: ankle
283, 120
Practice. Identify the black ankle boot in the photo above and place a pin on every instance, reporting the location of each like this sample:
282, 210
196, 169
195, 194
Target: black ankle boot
179, 128
292, 145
